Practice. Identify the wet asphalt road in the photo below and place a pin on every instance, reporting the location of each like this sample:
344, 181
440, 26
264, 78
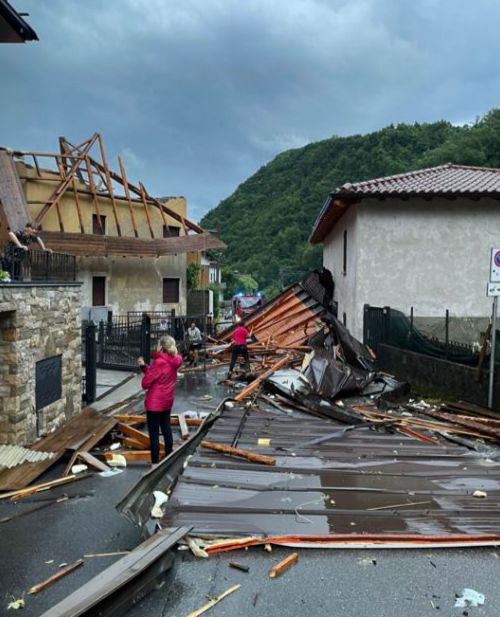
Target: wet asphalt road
412, 583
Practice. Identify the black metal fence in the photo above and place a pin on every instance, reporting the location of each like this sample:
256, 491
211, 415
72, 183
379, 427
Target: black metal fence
119, 341
385, 325
41, 266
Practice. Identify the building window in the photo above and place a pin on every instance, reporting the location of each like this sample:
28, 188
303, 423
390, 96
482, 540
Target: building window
98, 291
171, 291
212, 274
344, 319
344, 261
98, 230
171, 231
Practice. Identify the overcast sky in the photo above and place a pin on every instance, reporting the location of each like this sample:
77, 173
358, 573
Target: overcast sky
198, 94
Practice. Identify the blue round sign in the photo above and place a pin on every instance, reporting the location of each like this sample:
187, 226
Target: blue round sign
496, 259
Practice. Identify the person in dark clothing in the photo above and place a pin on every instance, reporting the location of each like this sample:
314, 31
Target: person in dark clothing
17, 248
239, 336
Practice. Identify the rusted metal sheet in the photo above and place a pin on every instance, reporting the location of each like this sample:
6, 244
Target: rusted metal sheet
359, 482
288, 320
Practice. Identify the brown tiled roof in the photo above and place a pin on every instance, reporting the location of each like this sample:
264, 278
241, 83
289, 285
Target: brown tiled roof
448, 179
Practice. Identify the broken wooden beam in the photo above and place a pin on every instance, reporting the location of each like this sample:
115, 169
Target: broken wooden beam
250, 456
256, 383
283, 565
133, 455
213, 602
91, 460
55, 577
45, 486
128, 442
183, 426
453, 419
129, 431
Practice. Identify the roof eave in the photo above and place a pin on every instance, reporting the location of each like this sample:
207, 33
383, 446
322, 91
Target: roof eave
21, 30
332, 211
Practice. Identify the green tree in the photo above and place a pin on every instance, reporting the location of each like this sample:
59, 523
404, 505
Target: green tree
267, 221
193, 275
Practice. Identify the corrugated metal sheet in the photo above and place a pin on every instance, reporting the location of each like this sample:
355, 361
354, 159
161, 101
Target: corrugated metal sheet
12, 456
364, 481
288, 320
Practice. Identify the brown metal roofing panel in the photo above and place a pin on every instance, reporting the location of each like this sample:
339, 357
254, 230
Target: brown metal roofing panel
289, 319
358, 482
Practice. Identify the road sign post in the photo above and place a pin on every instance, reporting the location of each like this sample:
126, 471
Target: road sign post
493, 290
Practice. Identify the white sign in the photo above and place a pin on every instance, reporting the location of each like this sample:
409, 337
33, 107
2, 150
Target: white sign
493, 290
495, 266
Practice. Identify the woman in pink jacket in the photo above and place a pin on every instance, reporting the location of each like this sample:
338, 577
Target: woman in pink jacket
159, 382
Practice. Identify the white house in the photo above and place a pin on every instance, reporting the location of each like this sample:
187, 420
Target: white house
419, 239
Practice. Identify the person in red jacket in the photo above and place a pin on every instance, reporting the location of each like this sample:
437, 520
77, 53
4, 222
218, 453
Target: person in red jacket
159, 382
240, 348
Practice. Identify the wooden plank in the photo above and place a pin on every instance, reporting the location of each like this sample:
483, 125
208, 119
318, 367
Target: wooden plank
88, 427
124, 183
55, 577
184, 427
58, 206
91, 460
94, 195
139, 436
213, 602
250, 456
133, 455
109, 184
128, 442
45, 486
174, 420
145, 205
130, 419
283, 565
61, 189
77, 203
256, 383
94, 245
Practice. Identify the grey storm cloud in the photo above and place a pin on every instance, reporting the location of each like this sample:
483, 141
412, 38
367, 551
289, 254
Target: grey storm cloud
198, 94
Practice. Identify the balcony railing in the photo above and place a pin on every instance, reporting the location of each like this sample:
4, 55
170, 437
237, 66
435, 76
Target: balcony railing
38, 266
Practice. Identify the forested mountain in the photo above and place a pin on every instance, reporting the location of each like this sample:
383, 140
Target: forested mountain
266, 222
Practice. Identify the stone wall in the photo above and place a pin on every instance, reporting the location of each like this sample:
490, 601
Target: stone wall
37, 321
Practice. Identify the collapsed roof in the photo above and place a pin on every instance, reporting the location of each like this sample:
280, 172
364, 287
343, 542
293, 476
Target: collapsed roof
79, 174
303, 457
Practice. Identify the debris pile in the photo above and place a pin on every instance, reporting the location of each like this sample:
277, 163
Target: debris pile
314, 449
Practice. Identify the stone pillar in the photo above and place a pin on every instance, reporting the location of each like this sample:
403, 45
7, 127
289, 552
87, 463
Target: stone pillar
37, 321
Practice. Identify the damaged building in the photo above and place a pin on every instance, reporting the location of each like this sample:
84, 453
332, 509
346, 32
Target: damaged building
130, 246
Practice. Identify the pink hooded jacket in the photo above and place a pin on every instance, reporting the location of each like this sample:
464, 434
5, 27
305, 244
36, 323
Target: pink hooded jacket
159, 381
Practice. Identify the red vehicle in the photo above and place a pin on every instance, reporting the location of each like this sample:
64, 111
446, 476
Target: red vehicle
243, 305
